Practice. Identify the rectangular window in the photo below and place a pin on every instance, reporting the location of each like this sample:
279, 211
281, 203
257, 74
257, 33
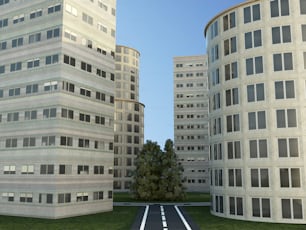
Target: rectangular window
53, 33
234, 178
83, 143
236, 206
48, 141
232, 97
233, 123
50, 86
66, 141
281, 34
98, 169
88, 19
53, 9
8, 196
27, 169
286, 118
251, 13
34, 38
3, 22
290, 178
282, 62
30, 115
98, 195
46, 169
84, 117
9, 169
68, 87
279, 8
49, 113
14, 92
26, 197
230, 46
86, 67
261, 207
2, 69
83, 169
67, 113
29, 141
256, 92
65, 169
33, 63
284, 89
69, 60
252, 39
254, 65
51, 59
16, 66
82, 196
85, 92
233, 150
230, 71
288, 147
31, 89
36, 14
257, 120
292, 209
3, 45
64, 198
259, 177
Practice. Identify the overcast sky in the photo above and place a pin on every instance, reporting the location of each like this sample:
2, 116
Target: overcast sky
161, 30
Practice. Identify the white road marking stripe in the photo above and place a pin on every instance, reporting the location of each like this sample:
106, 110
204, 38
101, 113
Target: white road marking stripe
144, 218
182, 218
164, 224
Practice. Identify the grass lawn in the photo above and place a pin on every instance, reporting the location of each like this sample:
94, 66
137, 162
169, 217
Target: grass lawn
202, 216
191, 197
121, 218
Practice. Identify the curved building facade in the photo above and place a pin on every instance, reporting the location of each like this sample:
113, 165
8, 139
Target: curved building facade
129, 117
257, 66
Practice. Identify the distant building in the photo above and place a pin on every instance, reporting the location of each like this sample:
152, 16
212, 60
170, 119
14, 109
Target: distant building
57, 75
191, 138
257, 67
129, 117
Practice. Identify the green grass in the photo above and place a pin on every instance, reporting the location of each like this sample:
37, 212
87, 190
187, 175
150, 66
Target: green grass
191, 197
202, 216
121, 218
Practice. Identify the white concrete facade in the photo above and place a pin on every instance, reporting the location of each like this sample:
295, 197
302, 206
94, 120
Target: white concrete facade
191, 132
57, 76
129, 117
257, 56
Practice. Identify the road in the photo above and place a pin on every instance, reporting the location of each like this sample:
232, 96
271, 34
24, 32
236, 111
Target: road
163, 217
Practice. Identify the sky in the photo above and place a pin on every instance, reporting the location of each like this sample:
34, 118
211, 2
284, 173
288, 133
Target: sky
161, 30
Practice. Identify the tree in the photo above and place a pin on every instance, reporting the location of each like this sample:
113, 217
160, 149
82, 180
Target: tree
158, 176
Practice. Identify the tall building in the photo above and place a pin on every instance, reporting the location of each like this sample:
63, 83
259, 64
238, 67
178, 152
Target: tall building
257, 66
57, 76
191, 120
129, 117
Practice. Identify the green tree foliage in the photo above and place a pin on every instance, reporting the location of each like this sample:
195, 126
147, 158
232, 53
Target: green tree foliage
158, 176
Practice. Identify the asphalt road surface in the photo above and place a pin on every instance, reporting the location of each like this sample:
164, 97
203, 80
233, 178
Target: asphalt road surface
163, 217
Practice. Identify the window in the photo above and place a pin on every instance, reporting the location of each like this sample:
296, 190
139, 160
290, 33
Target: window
86, 67
233, 150
232, 97
110, 194
14, 92
67, 113
279, 8
85, 92
256, 92
69, 60
34, 38
218, 177
16, 66
33, 63
65, 169
230, 46
71, 36
31, 89
29, 141
1, 93
230, 71
46, 169
282, 61
100, 96
229, 21
53, 33
49, 113
98, 169
3, 22
216, 101
258, 148
259, 177
48, 141
98, 195
36, 14
9, 169
50, 86
68, 86
288, 147
261, 207
88, 19
101, 27
217, 150
251, 13
254, 65
100, 120
11, 143
216, 126
19, 18
2, 2
71, 10
3, 45
2, 69
257, 120
64, 198
8, 196
26, 197
27, 169
252, 39
233, 123
292, 209
286, 118
51, 59
66, 141
234, 178
53, 9
214, 53
284, 89
281, 34
45, 198
13, 116
84, 117
236, 206
82, 196
83, 169
219, 204
290, 177
83, 143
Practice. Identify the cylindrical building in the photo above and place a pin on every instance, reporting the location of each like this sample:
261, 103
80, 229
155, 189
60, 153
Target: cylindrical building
257, 66
129, 117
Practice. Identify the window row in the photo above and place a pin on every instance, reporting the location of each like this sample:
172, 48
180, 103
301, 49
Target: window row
259, 177
49, 198
50, 169
261, 207
52, 141
287, 147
